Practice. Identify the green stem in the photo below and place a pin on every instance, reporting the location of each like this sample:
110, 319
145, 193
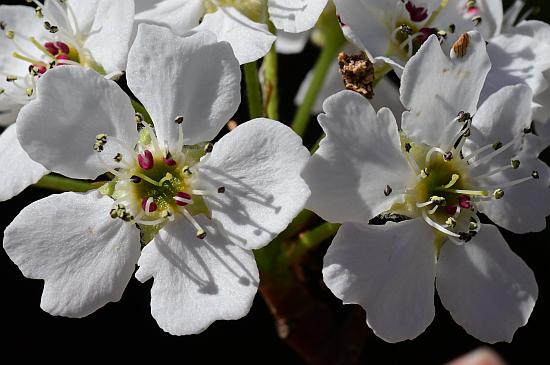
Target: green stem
61, 183
334, 41
311, 239
271, 85
253, 93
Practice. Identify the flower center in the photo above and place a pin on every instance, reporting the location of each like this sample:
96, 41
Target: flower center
253, 9
445, 188
62, 47
152, 185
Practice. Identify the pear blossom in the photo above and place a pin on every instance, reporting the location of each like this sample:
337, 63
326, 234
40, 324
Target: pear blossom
398, 28
239, 22
429, 183
92, 34
196, 208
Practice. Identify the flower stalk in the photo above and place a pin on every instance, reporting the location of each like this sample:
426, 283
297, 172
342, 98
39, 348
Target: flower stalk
253, 94
271, 83
334, 40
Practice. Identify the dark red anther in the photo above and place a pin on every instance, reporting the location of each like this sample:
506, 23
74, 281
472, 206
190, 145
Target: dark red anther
152, 206
425, 33
168, 160
451, 209
145, 160
464, 201
50, 47
60, 58
184, 195
63, 47
417, 13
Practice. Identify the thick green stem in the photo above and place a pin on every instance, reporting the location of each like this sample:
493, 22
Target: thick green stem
310, 239
61, 183
253, 92
271, 83
334, 40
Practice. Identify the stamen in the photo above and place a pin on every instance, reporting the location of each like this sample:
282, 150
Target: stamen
450, 222
498, 194
514, 164
220, 190
431, 152
464, 191
464, 202
148, 205
49, 47
146, 160
495, 153
387, 190
201, 233
154, 140
168, 160
182, 199
208, 148
438, 226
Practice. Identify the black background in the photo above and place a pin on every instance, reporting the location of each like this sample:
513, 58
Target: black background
125, 331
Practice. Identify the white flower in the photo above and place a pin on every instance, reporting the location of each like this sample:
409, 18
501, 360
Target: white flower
239, 22
199, 208
93, 34
451, 162
398, 28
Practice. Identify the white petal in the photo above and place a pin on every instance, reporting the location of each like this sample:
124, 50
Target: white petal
435, 88
195, 77
8, 117
386, 94
374, 34
178, 15
291, 43
502, 117
196, 282
249, 40
516, 59
18, 170
389, 270
110, 31
524, 206
259, 163
84, 256
487, 288
73, 105
359, 156
295, 16
492, 13
533, 28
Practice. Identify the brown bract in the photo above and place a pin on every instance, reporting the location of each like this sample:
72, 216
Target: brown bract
357, 72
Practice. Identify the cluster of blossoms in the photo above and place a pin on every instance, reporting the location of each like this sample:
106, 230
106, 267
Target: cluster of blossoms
410, 193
